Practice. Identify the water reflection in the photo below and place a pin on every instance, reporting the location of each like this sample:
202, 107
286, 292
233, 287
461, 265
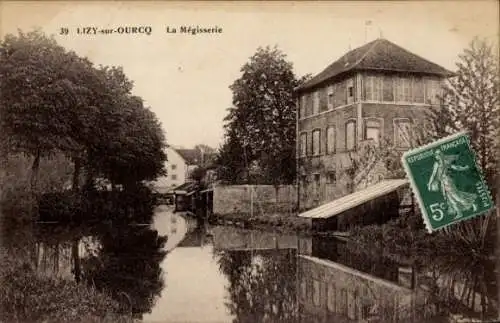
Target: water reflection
122, 260
208, 273
262, 284
128, 264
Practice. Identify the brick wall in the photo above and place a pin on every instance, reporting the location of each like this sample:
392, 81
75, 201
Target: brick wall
229, 199
389, 112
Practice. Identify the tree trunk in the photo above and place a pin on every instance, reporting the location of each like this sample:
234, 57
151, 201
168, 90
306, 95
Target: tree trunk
76, 174
90, 174
76, 260
34, 172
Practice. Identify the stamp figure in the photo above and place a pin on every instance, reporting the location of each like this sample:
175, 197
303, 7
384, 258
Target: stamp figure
447, 181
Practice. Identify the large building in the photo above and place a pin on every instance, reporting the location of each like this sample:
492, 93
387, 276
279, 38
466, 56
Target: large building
378, 90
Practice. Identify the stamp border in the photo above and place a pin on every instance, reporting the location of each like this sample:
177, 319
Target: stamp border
417, 192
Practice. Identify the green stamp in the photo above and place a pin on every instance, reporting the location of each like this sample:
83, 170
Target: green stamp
447, 181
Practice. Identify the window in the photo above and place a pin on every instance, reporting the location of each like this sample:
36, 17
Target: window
316, 148
303, 144
373, 88
331, 298
402, 134
331, 91
340, 94
342, 302
350, 135
403, 89
350, 91
303, 180
316, 292
303, 103
174, 177
418, 90
331, 177
433, 92
373, 130
330, 140
369, 88
388, 89
316, 103
406, 89
303, 289
308, 105
323, 98
174, 166
317, 186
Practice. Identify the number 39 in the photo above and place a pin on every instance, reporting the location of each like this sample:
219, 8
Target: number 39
437, 212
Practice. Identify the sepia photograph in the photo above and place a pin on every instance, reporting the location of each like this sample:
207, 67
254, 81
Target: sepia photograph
250, 162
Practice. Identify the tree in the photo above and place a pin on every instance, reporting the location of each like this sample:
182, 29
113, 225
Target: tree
54, 101
470, 102
261, 122
39, 89
133, 150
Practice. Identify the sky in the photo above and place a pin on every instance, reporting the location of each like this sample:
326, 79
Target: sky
185, 78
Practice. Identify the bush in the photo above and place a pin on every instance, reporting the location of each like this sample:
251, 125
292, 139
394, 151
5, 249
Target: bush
97, 206
28, 297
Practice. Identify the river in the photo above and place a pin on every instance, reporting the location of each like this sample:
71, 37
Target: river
180, 270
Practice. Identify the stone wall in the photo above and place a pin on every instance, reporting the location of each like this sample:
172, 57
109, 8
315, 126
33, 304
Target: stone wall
256, 199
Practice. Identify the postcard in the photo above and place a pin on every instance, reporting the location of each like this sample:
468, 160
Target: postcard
216, 162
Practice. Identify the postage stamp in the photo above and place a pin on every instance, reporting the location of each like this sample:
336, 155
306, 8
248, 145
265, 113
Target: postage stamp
447, 181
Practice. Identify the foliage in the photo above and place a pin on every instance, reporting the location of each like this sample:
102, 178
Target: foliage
260, 127
127, 264
370, 163
97, 206
51, 300
262, 287
54, 101
198, 174
135, 151
406, 235
470, 102
15, 198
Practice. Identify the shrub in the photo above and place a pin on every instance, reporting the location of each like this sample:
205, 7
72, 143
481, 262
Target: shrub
28, 297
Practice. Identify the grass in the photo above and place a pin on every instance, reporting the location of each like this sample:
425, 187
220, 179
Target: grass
26, 296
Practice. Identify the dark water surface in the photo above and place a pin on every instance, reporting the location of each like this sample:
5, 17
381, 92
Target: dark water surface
178, 270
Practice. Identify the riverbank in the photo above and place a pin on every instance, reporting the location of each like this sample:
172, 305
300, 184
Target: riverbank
48, 299
277, 222
41, 283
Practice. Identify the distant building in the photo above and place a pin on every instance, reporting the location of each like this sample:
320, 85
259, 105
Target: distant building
378, 90
180, 164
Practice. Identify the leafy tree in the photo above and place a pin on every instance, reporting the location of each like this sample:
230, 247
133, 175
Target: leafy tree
231, 160
262, 285
39, 89
470, 102
55, 101
262, 119
134, 151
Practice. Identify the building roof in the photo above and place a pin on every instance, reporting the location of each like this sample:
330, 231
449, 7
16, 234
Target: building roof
185, 188
191, 156
355, 199
381, 55
195, 156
